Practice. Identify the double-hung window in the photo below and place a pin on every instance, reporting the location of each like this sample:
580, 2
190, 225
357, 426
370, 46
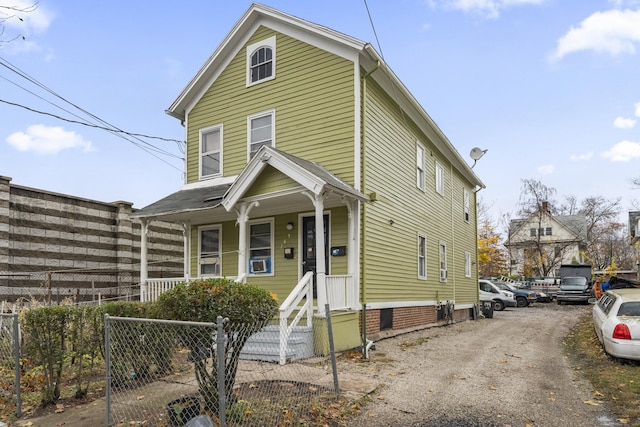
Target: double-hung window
211, 151
467, 264
261, 131
420, 166
467, 204
439, 179
261, 61
209, 259
422, 257
261, 248
443, 261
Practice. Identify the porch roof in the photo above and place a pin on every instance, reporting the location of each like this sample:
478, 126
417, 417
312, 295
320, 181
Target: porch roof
190, 200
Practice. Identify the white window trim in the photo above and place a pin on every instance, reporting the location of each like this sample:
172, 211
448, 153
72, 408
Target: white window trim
467, 264
200, 153
467, 205
442, 260
420, 166
272, 113
421, 258
270, 43
269, 221
200, 230
439, 179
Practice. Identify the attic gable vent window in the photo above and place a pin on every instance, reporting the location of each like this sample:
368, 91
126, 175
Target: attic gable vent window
261, 61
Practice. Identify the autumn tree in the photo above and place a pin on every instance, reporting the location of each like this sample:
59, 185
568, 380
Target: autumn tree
491, 256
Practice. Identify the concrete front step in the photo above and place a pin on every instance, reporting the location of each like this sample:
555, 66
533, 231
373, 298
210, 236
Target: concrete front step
265, 345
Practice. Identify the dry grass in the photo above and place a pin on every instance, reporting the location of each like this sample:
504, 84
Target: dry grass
617, 382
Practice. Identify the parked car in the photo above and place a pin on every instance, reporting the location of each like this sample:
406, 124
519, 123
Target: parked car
616, 319
501, 299
523, 297
540, 296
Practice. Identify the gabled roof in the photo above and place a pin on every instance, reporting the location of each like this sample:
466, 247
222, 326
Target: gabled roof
309, 175
313, 177
576, 224
362, 53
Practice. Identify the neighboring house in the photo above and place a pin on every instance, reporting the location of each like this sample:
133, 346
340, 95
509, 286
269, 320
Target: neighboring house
60, 246
540, 243
296, 131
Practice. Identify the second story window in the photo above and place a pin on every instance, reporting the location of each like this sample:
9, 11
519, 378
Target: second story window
261, 61
420, 166
466, 203
261, 132
439, 179
211, 151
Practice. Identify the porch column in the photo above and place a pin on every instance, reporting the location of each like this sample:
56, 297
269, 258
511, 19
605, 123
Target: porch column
243, 216
186, 234
321, 269
144, 274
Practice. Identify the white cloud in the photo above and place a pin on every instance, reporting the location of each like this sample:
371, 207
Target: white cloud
546, 169
622, 123
581, 157
613, 32
43, 139
33, 19
487, 8
637, 113
623, 151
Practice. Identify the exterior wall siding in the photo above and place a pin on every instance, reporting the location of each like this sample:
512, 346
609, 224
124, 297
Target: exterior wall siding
46, 232
314, 109
402, 210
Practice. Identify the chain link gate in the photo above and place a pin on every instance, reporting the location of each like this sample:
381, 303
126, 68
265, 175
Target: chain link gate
10, 360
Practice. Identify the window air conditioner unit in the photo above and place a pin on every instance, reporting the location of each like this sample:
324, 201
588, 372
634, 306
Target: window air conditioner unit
258, 266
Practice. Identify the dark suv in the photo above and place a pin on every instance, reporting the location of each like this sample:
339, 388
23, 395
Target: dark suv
523, 297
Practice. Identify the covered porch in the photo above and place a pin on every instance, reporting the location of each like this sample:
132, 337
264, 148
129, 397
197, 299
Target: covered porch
261, 229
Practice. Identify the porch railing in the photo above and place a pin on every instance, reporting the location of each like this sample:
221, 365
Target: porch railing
152, 288
304, 289
342, 294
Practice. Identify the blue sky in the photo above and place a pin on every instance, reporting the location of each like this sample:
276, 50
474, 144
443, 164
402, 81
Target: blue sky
550, 88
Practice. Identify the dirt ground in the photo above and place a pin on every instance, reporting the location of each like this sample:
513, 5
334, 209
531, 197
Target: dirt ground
505, 371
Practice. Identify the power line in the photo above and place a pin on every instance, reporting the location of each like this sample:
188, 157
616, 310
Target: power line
116, 131
91, 124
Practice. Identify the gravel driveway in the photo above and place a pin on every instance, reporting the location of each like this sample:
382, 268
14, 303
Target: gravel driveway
505, 371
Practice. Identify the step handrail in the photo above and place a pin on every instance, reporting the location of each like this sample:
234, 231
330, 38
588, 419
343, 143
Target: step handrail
304, 289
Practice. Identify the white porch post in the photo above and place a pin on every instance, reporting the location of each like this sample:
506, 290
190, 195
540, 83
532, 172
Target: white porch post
321, 268
243, 216
186, 234
144, 265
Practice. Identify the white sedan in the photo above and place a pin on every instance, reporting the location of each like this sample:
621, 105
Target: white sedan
616, 319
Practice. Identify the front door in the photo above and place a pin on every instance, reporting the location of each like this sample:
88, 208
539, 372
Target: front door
309, 247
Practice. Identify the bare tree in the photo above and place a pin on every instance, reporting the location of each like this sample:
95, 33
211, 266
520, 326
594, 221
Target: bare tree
602, 229
8, 13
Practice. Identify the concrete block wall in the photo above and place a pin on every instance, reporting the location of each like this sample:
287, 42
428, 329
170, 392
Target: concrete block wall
43, 231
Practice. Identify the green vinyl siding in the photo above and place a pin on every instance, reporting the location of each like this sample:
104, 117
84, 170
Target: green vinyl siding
312, 96
402, 211
285, 270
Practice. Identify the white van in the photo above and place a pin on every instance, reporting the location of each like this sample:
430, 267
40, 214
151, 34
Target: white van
500, 298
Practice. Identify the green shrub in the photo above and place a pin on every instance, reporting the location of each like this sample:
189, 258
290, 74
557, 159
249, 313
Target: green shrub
247, 309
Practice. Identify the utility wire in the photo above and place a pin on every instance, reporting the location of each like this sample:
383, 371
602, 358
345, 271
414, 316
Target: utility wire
92, 125
107, 126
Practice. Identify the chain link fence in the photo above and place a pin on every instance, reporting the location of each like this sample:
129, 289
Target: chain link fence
164, 373
55, 287
10, 362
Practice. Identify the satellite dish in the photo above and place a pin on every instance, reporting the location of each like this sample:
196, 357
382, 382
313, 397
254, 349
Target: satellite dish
477, 153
